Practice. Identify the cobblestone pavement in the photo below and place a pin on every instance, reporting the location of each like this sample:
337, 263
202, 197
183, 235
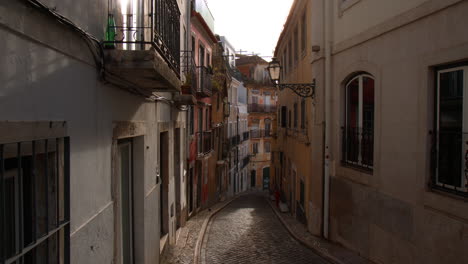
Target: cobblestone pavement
182, 252
248, 231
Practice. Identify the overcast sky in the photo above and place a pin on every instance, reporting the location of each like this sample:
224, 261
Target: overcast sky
250, 25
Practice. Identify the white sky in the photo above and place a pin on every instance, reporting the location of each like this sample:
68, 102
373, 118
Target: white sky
250, 25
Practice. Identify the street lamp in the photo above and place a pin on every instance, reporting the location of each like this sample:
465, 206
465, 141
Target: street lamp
301, 89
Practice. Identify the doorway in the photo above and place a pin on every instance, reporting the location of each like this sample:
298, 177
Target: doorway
177, 174
164, 172
253, 178
125, 149
266, 178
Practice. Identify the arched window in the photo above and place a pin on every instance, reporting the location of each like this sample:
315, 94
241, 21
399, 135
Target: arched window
358, 136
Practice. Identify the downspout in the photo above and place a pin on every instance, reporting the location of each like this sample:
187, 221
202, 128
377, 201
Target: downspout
327, 107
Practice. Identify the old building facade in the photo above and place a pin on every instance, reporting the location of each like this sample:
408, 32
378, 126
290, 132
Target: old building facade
93, 133
299, 149
389, 101
261, 108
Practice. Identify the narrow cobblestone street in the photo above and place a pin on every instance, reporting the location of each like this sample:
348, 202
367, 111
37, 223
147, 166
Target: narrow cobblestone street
247, 231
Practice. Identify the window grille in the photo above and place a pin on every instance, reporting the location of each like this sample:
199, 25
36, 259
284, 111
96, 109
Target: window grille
450, 139
35, 201
358, 132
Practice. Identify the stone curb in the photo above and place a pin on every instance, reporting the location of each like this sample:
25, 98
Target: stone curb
201, 235
319, 252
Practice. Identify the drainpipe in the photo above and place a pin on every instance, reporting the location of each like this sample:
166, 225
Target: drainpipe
327, 107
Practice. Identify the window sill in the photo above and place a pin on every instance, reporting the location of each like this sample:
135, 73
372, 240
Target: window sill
452, 205
354, 174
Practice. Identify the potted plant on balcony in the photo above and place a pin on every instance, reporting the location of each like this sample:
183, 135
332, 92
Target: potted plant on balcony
187, 85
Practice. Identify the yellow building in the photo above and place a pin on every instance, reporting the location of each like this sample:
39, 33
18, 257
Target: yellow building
298, 155
261, 108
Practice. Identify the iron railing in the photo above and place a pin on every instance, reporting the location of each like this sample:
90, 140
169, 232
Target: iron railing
159, 28
450, 162
189, 70
204, 142
261, 108
245, 161
235, 140
260, 133
358, 147
245, 136
204, 81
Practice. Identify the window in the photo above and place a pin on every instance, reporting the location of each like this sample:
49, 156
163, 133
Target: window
295, 115
267, 147
302, 192
289, 119
255, 148
285, 61
284, 111
191, 119
296, 45
267, 127
303, 113
451, 126
35, 203
358, 133
304, 33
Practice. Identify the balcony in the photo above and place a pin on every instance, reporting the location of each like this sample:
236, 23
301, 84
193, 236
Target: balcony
260, 133
235, 140
261, 108
189, 86
143, 48
358, 147
245, 136
204, 142
245, 161
202, 8
204, 76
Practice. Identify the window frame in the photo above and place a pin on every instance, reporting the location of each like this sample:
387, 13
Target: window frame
345, 129
62, 225
303, 113
434, 183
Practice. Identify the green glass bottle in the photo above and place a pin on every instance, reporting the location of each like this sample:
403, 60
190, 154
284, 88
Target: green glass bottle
109, 42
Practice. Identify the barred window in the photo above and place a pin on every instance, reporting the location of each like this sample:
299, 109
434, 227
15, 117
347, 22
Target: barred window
303, 113
450, 142
358, 133
34, 202
295, 115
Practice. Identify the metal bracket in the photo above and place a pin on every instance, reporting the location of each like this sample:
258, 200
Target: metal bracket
301, 89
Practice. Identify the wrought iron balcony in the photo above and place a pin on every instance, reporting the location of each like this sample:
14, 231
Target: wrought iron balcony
358, 147
261, 108
143, 48
235, 140
189, 70
260, 133
204, 88
204, 142
245, 136
245, 161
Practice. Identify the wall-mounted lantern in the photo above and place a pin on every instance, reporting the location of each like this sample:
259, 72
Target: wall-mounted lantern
301, 89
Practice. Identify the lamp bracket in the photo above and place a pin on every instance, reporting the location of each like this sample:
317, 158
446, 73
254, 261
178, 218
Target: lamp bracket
301, 89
